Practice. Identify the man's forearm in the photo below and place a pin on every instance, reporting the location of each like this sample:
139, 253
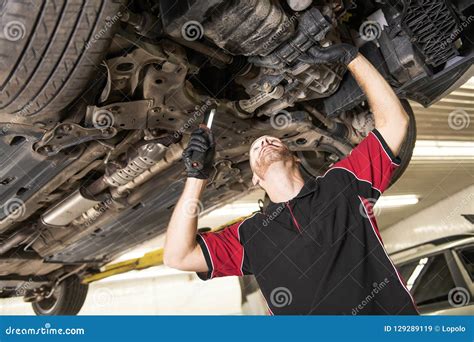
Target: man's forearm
389, 115
181, 234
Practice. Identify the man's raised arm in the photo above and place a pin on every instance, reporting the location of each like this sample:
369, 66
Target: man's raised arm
181, 250
391, 120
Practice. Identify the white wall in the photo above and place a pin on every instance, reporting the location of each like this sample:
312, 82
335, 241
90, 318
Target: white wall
440, 220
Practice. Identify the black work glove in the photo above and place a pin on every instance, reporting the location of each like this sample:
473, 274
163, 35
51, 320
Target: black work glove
338, 53
201, 151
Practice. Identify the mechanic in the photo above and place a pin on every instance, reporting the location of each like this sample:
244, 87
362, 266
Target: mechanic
316, 248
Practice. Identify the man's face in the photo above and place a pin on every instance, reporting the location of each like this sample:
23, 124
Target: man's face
266, 150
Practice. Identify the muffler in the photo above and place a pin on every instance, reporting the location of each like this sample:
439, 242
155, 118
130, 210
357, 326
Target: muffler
68, 209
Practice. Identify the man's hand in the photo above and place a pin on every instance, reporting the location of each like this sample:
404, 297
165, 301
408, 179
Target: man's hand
338, 53
201, 149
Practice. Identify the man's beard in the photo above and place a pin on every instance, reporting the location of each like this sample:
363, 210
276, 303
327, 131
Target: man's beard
272, 155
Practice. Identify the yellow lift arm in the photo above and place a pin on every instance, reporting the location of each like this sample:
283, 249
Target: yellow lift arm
150, 259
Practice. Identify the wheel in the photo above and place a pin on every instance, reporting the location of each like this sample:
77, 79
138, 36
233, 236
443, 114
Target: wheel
315, 163
50, 50
67, 299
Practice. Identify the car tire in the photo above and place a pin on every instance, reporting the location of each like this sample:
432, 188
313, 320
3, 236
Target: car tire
50, 51
67, 299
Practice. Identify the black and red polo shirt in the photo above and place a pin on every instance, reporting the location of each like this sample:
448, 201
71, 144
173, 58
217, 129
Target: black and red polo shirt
320, 252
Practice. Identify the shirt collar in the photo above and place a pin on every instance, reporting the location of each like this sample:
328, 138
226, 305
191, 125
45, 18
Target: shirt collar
309, 187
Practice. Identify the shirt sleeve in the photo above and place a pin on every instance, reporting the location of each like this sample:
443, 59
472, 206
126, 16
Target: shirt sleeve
369, 167
224, 252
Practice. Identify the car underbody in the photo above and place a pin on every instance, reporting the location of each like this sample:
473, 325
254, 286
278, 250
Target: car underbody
90, 170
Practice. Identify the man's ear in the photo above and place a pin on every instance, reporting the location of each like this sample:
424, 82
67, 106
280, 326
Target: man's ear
255, 179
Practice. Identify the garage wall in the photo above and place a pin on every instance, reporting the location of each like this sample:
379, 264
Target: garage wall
437, 221
156, 291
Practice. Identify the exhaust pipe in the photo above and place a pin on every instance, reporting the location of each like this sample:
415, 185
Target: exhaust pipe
68, 209
14, 240
73, 206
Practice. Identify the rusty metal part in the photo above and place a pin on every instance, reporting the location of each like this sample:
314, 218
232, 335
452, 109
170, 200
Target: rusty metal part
92, 214
311, 139
125, 70
65, 135
224, 172
249, 27
13, 241
13, 129
299, 5
206, 50
123, 115
252, 104
148, 155
173, 153
320, 116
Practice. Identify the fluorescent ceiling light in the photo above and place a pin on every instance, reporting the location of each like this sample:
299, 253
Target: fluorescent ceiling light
396, 201
426, 149
469, 84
